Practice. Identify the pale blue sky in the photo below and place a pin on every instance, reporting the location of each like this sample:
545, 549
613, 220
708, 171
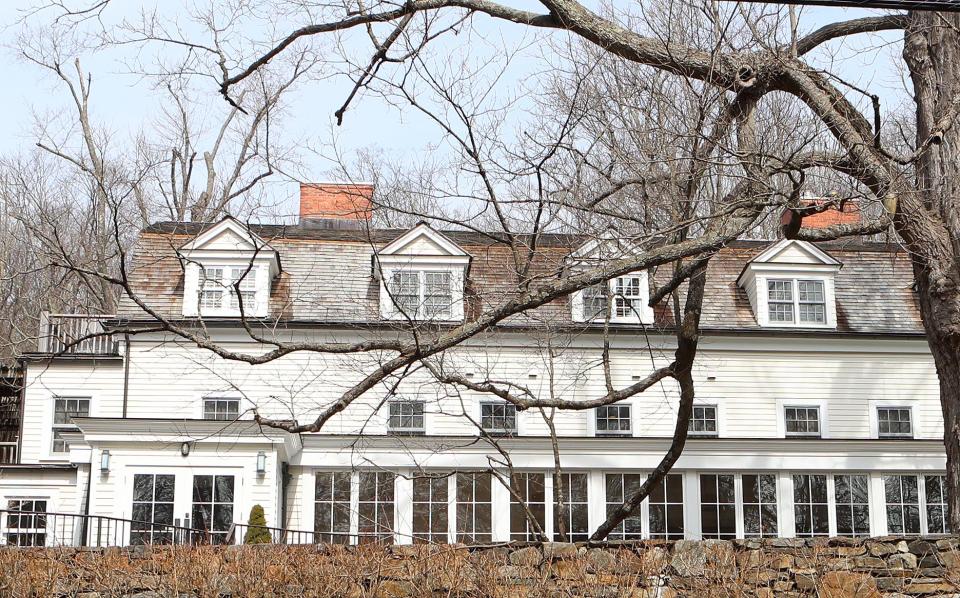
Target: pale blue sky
126, 102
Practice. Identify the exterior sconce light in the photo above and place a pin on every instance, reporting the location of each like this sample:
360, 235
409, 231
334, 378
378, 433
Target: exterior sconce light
185, 449
105, 462
261, 462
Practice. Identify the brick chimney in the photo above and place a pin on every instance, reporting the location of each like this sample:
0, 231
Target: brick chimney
336, 205
790, 220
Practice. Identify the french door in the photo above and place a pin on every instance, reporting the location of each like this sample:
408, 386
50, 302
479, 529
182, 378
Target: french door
162, 502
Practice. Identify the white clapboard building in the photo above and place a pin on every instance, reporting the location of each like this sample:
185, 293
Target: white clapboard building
817, 409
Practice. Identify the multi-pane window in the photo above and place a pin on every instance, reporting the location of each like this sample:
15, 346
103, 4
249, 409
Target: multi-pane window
807, 305
64, 409
613, 420
498, 417
430, 509
527, 489
375, 506
406, 417
474, 508
666, 508
810, 505
853, 505
152, 512
802, 421
936, 503
703, 421
427, 294
213, 506
628, 297
810, 302
218, 289
780, 300
903, 504
437, 294
894, 422
331, 521
221, 409
405, 291
619, 487
759, 505
595, 300
26, 522
718, 506
575, 507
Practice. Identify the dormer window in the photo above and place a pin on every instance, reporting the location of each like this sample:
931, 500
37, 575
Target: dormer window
625, 297
791, 285
218, 292
422, 276
807, 305
224, 266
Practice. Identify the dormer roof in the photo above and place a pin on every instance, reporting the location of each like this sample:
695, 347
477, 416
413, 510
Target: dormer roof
230, 238
792, 254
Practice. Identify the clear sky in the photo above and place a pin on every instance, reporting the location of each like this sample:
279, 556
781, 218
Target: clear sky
126, 102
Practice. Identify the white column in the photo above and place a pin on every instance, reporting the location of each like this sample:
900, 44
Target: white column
597, 499
691, 505
878, 506
548, 506
403, 509
787, 528
500, 497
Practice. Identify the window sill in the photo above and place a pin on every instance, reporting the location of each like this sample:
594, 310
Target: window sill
406, 433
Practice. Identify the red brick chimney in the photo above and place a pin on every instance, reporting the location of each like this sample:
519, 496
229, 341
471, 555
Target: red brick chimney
790, 219
336, 205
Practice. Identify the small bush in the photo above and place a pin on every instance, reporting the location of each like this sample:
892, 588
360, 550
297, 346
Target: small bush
257, 533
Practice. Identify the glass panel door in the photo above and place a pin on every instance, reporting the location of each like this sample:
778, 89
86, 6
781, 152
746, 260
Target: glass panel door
212, 507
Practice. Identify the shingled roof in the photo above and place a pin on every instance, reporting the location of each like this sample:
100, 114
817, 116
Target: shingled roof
327, 279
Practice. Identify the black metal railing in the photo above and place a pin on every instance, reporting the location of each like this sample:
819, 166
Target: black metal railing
8, 453
282, 535
50, 529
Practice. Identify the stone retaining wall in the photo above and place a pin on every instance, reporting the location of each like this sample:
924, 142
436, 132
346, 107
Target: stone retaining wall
836, 568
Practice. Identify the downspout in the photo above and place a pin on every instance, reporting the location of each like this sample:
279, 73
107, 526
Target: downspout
126, 371
86, 503
284, 482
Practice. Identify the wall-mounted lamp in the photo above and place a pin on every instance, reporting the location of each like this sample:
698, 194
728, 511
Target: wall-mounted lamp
185, 449
261, 462
105, 462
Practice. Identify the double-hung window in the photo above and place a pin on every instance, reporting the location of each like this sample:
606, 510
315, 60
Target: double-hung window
595, 301
474, 507
666, 508
498, 418
792, 301
218, 290
802, 421
623, 297
406, 417
422, 294
221, 409
853, 505
718, 506
64, 410
703, 421
573, 515
613, 420
627, 297
902, 495
759, 505
894, 422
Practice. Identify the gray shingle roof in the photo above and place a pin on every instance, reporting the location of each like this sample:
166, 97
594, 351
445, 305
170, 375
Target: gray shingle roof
327, 278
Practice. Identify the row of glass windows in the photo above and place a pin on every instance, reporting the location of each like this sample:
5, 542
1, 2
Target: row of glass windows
730, 506
408, 417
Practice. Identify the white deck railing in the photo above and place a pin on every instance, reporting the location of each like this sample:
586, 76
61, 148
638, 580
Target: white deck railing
75, 334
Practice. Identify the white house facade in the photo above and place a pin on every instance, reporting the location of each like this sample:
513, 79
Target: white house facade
817, 409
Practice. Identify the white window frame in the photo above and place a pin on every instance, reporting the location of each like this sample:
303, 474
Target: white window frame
414, 431
499, 432
782, 404
229, 305
704, 434
794, 277
55, 427
613, 433
391, 311
641, 314
205, 399
48, 534
794, 283
875, 408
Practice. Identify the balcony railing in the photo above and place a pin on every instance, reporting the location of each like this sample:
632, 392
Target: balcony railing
46, 529
73, 334
8, 453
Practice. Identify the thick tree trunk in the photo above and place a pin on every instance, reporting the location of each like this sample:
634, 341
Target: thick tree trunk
929, 217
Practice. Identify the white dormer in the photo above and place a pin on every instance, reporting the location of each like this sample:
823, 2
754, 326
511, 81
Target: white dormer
422, 275
625, 297
791, 285
219, 257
